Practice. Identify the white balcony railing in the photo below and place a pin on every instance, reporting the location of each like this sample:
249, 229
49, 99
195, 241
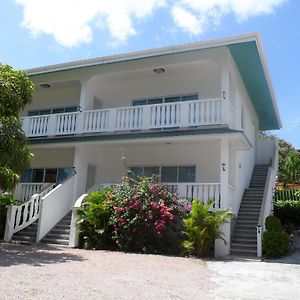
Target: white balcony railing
157, 116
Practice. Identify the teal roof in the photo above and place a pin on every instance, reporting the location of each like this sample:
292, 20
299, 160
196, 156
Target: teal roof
250, 66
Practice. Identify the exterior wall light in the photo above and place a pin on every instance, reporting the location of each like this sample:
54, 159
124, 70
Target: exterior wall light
224, 95
45, 85
223, 166
159, 70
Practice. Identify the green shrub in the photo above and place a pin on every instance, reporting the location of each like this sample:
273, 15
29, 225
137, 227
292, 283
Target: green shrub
93, 218
202, 227
288, 211
145, 217
275, 244
273, 224
5, 199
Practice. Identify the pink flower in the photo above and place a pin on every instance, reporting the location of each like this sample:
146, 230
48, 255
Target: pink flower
137, 203
122, 221
154, 189
134, 197
154, 205
120, 210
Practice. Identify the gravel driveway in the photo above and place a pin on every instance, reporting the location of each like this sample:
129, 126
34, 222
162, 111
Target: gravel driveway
41, 272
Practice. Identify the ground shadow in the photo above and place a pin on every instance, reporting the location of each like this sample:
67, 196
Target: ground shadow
34, 255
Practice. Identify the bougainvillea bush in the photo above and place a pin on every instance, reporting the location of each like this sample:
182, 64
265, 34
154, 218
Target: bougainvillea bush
143, 217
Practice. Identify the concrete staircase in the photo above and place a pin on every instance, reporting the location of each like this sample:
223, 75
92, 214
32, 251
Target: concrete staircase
244, 238
60, 233
27, 235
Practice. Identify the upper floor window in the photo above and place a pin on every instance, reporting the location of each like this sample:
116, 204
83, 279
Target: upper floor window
55, 110
170, 99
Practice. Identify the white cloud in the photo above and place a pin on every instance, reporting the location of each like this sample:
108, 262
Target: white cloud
186, 20
204, 13
72, 22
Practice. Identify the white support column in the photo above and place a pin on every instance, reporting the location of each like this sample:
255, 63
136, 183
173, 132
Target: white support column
225, 89
222, 249
80, 165
224, 161
83, 95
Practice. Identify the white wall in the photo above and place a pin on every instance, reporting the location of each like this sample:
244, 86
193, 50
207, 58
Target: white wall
244, 159
52, 158
265, 151
205, 156
54, 97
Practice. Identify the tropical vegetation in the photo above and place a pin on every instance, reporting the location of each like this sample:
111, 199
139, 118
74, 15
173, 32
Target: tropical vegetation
15, 92
140, 215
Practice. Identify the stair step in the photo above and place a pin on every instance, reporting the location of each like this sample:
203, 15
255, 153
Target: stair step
243, 253
60, 231
55, 241
239, 246
247, 221
58, 235
244, 240
245, 235
246, 232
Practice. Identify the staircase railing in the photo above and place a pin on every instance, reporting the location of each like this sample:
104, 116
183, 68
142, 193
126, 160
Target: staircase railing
24, 191
55, 205
20, 216
267, 202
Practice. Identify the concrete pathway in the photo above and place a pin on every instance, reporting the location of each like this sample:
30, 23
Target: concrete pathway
254, 279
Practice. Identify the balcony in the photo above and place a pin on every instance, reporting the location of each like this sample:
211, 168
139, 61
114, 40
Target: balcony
158, 116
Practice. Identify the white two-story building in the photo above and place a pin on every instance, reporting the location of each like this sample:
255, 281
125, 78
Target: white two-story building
189, 113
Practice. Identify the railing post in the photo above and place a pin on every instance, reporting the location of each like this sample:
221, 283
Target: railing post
112, 119
74, 234
26, 125
146, 117
184, 114
259, 240
10, 222
80, 122
52, 125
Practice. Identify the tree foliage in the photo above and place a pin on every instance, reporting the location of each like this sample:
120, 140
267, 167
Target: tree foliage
15, 93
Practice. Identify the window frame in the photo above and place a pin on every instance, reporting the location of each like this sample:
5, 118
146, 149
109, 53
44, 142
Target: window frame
164, 98
39, 112
58, 170
160, 167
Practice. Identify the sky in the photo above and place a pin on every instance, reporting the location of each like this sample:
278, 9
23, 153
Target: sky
35, 33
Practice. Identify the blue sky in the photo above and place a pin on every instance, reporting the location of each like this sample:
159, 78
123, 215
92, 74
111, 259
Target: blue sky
42, 32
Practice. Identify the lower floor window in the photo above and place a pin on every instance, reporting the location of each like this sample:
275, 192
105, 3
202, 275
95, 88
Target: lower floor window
55, 175
166, 173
